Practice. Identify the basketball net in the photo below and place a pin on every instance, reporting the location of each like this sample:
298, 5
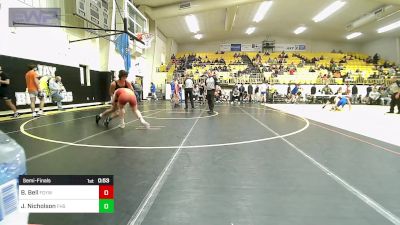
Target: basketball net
147, 38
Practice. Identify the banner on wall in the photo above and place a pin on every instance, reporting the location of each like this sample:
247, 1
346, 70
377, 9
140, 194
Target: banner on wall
22, 98
236, 47
290, 47
240, 47
251, 47
225, 47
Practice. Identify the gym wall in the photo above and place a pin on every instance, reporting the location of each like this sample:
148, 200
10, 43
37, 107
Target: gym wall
16, 68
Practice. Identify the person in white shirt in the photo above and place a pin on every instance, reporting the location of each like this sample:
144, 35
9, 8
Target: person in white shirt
263, 91
56, 87
210, 85
189, 91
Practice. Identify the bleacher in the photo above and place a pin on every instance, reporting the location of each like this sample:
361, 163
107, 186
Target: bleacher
356, 68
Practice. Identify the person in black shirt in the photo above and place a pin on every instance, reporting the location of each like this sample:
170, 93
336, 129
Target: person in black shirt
201, 94
354, 93
250, 92
122, 82
256, 93
241, 90
313, 92
5, 93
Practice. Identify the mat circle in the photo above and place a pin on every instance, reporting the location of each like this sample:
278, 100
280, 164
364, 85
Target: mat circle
22, 129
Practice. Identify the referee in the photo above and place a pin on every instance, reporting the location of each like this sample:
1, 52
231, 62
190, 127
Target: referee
188, 91
5, 92
211, 83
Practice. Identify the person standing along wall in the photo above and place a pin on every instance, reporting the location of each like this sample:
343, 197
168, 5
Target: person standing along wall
153, 91
138, 90
32, 84
5, 92
172, 84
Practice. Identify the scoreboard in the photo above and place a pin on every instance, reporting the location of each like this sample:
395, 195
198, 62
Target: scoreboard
94, 11
66, 194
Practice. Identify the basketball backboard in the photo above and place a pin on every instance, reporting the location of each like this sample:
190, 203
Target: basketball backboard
136, 21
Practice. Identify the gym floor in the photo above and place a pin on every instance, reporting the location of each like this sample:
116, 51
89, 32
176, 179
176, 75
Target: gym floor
244, 165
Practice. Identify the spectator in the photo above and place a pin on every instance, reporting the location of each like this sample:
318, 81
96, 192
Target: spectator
263, 91
291, 71
242, 89
138, 90
272, 92
256, 93
218, 94
235, 95
369, 89
202, 94
250, 92
180, 91
172, 84
313, 92
374, 96
5, 92
385, 96
288, 90
153, 91
376, 58
177, 91
327, 90
32, 84
294, 94
354, 93
56, 88
196, 92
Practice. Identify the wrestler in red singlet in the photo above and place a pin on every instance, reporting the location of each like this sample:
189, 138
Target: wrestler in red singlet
125, 95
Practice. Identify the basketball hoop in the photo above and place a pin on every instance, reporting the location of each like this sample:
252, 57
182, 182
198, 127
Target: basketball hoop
147, 38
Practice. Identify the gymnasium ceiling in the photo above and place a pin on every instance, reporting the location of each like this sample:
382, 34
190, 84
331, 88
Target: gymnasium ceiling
281, 20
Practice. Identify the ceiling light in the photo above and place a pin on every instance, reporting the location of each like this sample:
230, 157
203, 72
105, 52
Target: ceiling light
353, 35
389, 27
328, 11
250, 30
300, 30
198, 36
191, 22
262, 10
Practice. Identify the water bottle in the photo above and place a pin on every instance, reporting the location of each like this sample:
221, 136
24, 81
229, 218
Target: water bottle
12, 164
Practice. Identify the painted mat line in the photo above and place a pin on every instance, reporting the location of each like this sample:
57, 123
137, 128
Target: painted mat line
22, 128
83, 139
148, 201
346, 135
363, 197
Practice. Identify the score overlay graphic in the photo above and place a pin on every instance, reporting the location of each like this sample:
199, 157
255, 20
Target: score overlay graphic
66, 193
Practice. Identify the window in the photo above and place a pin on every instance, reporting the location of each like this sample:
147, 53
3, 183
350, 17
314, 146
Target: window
84, 75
